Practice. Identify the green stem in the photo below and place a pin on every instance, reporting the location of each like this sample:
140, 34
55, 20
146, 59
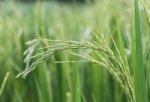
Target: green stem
139, 74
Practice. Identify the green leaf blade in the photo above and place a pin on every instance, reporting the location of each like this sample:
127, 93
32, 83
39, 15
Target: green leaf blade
139, 74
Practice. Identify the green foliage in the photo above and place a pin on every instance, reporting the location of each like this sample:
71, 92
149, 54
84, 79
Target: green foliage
139, 74
74, 53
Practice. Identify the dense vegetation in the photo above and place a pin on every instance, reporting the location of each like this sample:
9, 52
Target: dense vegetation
67, 1
58, 52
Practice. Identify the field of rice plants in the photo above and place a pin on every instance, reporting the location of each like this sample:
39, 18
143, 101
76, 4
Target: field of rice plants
96, 51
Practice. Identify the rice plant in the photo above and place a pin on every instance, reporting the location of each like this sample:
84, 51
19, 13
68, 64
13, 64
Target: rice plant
70, 52
41, 49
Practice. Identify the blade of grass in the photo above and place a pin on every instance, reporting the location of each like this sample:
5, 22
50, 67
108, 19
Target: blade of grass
3, 83
139, 74
75, 84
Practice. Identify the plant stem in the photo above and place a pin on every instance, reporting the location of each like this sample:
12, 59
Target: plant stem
139, 74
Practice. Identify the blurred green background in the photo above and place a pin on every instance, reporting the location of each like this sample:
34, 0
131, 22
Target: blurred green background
63, 20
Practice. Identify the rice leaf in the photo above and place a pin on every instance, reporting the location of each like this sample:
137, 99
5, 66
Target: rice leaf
139, 74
